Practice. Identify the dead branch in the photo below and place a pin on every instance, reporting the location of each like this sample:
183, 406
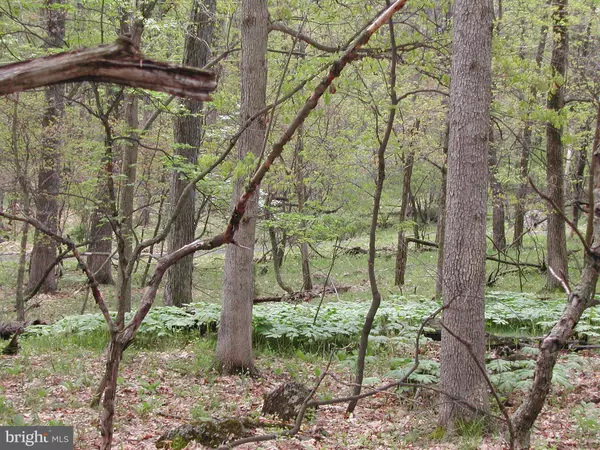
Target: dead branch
120, 63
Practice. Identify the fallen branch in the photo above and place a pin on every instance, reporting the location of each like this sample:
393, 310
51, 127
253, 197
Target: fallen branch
488, 258
120, 62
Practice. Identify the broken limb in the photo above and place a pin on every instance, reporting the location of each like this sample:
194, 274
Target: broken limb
120, 63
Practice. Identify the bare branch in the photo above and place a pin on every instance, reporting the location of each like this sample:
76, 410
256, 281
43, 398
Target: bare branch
119, 63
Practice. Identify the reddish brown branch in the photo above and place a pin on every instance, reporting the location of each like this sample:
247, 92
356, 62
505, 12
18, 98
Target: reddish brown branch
119, 63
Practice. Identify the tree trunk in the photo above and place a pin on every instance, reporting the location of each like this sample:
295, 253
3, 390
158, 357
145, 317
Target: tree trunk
466, 201
375, 294
301, 194
234, 343
557, 240
402, 250
498, 233
101, 236
127, 194
519, 228
441, 224
100, 227
520, 207
188, 138
22, 170
579, 194
277, 250
43, 253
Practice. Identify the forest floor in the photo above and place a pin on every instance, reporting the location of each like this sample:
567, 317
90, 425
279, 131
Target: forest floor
162, 389
162, 386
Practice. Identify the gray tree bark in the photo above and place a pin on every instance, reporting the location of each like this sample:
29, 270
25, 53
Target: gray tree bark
307, 284
402, 248
187, 130
466, 201
234, 343
498, 233
526, 145
44, 248
100, 228
441, 224
555, 180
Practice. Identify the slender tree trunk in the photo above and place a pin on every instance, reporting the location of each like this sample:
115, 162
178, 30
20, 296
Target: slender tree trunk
234, 343
276, 250
557, 240
466, 201
519, 227
498, 233
43, 253
441, 224
301, 194
100, 227
127, 195
526, 142
376, 295
188, 139
579, 194
22, 170
402, 250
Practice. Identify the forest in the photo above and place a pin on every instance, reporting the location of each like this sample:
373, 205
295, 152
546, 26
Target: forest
300, 224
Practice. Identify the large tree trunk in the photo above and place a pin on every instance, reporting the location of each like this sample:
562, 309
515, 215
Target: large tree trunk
188, 138
557, 240
465, 236
402, 250
234, 344
43, 253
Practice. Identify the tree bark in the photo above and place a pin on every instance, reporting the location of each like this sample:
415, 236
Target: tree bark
22, 170
375, 294
100, 227
465, 235
119, 63
498, 233
526, 143
307, 284
46, 202
187, 130
234, 343
557, 240
441, 224
402, 250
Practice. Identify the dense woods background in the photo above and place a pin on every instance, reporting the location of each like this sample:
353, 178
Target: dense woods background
453, 156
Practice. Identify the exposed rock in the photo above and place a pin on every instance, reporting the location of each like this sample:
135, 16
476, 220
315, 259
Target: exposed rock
208, 432
285, 400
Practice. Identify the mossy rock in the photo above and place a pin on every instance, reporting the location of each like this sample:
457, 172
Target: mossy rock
209, 432
285, 401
